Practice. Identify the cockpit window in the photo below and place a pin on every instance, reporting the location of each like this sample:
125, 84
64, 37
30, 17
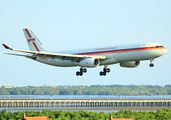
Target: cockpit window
159, 46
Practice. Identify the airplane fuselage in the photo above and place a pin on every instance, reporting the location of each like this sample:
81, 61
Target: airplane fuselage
114, 54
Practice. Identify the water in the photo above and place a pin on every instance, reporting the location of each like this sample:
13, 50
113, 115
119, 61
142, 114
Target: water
105, 111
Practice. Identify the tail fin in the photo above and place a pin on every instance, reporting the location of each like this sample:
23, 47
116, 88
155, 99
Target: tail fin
33, 42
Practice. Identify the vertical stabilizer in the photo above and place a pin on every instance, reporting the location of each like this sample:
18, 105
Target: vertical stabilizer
33, 42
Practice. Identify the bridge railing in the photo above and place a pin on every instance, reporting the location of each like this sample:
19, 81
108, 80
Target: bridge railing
84, 103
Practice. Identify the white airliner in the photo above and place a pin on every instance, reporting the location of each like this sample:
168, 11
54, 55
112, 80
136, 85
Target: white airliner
127, 55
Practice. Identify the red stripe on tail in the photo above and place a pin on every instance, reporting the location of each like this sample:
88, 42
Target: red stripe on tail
28, 33
35, 46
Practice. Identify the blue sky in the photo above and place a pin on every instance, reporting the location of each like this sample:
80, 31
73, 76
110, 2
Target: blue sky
65, 25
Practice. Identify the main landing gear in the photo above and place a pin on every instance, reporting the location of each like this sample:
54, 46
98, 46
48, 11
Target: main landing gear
151, 63
82, 70
105, 70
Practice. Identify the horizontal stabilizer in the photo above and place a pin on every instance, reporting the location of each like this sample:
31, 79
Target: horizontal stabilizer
21, 55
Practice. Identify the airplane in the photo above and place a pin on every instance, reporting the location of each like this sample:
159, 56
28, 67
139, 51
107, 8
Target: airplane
126, 55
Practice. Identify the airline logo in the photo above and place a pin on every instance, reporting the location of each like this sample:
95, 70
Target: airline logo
31, 40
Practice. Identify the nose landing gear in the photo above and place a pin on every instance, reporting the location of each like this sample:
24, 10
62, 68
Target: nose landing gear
82, 70
105, 70
151, 63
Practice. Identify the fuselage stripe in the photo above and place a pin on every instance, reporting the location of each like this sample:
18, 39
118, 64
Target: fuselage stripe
120, 51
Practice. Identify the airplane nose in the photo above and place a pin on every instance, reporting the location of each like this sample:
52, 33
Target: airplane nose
160, 52
164, 51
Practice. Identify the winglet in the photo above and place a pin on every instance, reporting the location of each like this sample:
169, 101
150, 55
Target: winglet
6, 46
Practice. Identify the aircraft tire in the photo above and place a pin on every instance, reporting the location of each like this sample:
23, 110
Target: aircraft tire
151, 65
108, 70
101, 73
81, 69
84, 70
104, 70
81, 73
104, 73
77, 73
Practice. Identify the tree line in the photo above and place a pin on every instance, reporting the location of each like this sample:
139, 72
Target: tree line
164, 114
86, 91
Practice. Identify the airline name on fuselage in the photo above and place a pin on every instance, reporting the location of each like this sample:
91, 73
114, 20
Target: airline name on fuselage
106, 48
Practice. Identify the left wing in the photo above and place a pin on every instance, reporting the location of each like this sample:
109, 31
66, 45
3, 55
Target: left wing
72, 57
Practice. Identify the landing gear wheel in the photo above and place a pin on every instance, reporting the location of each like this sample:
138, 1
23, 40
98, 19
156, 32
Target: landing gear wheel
82, 70
81, 73
105, 70
77, 73
102, 73
108, 70
151, 65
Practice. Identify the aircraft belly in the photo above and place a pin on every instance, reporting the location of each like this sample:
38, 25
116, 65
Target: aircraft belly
58, 62
153, 53
128, 56
138, 55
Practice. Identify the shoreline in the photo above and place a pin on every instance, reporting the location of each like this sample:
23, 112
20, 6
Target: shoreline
103, 109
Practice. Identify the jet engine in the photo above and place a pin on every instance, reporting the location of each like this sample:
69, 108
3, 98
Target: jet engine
130, 64
89, 62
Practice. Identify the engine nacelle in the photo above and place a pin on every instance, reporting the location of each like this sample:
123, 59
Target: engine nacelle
130, 64
89, 62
